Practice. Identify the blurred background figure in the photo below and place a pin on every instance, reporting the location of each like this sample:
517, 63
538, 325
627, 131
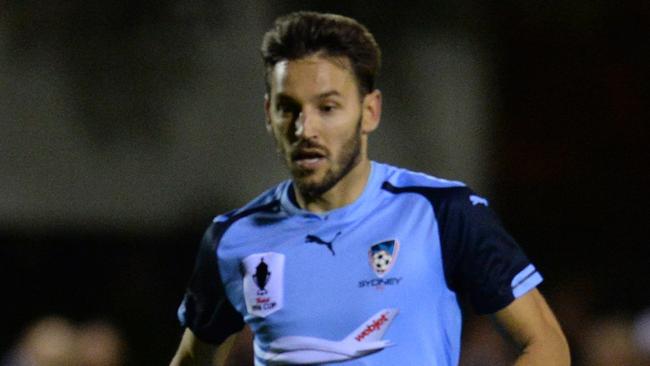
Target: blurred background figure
50, 341
609, 341
642, 335
55, 341
100, 344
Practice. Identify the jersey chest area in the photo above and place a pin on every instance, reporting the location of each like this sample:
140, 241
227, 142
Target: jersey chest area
323, 278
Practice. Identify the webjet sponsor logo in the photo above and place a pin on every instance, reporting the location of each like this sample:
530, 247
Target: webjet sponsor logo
373, 327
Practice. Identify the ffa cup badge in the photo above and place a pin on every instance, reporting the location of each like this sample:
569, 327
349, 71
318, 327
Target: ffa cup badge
263, 283
382, 256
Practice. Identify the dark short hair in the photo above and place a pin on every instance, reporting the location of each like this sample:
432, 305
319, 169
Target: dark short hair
303, 33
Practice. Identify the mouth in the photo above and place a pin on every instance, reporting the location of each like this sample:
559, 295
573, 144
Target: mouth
308, 159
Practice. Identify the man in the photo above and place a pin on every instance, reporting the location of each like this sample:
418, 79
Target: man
352, 261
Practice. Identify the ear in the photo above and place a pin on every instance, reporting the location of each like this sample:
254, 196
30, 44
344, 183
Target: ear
371, 111
267, 112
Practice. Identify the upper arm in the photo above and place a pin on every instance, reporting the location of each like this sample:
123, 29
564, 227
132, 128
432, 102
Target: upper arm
193, 351
205, 308
206, 313
530, 323
240, 349
236, 350
481, 259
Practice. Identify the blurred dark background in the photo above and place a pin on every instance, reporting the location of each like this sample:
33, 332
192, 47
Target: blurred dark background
127, 125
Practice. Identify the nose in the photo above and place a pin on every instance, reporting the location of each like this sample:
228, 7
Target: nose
305, 125
300, 124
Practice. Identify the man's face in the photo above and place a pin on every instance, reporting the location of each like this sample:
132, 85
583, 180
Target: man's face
314, 112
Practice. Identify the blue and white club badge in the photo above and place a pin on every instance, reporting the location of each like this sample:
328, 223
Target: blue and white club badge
263, 283
382, 256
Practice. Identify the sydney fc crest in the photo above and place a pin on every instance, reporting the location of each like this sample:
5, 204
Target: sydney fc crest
382, 256
263, 283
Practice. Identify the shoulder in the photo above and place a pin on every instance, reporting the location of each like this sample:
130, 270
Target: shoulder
436, 190
401, 177
268, 201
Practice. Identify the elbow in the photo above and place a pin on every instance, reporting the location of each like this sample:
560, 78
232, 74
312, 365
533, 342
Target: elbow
550, 349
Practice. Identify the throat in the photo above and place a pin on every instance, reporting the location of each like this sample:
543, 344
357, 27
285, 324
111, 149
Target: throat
344, 192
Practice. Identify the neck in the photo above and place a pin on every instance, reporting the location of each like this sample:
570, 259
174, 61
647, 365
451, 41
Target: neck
346, 191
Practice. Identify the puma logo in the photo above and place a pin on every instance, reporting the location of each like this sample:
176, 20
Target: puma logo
314, 239
476, 200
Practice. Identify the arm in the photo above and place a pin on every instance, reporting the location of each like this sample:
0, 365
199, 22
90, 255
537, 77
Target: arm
237, 350
240, 350
205, 312
193, 351
532, 326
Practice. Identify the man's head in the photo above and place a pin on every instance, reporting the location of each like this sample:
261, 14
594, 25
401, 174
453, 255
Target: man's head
321, 102
301, 34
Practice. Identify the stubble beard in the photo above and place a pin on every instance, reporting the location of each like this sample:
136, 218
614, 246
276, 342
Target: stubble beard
349, 158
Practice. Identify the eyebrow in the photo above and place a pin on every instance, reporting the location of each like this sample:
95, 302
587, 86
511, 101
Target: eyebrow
328, 94
324, 95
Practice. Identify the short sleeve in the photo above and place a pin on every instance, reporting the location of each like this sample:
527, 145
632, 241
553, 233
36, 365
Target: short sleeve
480, 258
205, 309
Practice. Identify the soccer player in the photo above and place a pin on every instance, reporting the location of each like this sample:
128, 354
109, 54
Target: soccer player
352, 261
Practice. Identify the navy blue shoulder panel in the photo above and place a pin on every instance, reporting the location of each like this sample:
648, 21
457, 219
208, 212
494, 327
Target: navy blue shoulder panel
205, 308
480, 258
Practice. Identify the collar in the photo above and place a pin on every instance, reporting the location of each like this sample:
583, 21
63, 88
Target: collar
365, 203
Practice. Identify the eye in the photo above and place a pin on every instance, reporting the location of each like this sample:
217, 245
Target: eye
286, 110
281, 108
327, 108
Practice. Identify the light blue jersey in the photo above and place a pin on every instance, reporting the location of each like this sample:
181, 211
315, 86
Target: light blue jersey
318, 288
